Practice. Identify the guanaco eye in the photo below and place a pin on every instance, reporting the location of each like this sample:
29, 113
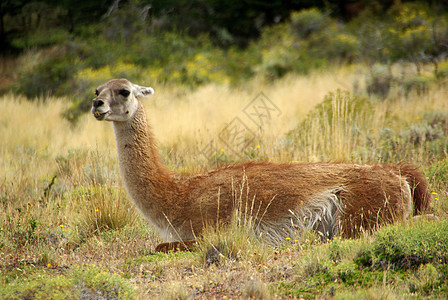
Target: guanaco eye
96, 93
124, 93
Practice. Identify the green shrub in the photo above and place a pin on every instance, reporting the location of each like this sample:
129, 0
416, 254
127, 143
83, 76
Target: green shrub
379, 80
437, 120
277, 52
241, 65
203, 68
420, 133
401, 259
442, 70
333, 44
342, 47
426, 137
310, 40
166, 49
41, 38
278, 61
408, 247
417, 83
50, 76
410, 34
319, 36
371, 41
306, 22
429, 135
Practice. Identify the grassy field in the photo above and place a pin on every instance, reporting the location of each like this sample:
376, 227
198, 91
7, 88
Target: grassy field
68, 229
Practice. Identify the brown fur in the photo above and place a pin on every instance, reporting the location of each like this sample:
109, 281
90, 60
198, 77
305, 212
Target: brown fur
419, 187
283, 199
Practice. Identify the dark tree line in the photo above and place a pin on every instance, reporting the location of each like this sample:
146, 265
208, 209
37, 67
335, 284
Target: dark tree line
227, 22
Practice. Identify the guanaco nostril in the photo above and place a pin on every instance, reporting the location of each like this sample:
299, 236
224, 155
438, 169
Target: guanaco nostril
98, 103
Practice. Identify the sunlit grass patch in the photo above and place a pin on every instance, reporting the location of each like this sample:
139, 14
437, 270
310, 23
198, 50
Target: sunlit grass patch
40, 286
92, 281
78, 283
156, 265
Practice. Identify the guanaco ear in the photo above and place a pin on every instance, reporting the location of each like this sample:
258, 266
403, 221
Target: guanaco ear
141, 91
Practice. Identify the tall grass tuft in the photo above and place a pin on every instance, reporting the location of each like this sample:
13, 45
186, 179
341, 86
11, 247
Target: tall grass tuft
256, 289
334, 129
230, 243
102, 208
237, 240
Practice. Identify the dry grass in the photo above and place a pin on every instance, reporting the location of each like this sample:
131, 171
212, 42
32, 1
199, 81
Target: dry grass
196, 119
62, 204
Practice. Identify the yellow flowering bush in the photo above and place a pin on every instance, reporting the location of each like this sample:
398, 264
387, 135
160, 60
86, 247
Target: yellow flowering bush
120, 69
205, 67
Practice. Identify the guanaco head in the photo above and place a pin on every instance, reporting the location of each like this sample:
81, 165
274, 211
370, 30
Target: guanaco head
116, 100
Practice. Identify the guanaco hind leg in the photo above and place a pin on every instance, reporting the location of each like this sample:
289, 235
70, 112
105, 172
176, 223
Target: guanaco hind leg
177, 246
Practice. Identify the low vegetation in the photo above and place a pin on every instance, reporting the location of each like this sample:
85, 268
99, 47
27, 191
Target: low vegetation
398, 261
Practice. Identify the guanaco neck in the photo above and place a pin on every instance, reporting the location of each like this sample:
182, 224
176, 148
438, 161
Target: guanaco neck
149, 183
